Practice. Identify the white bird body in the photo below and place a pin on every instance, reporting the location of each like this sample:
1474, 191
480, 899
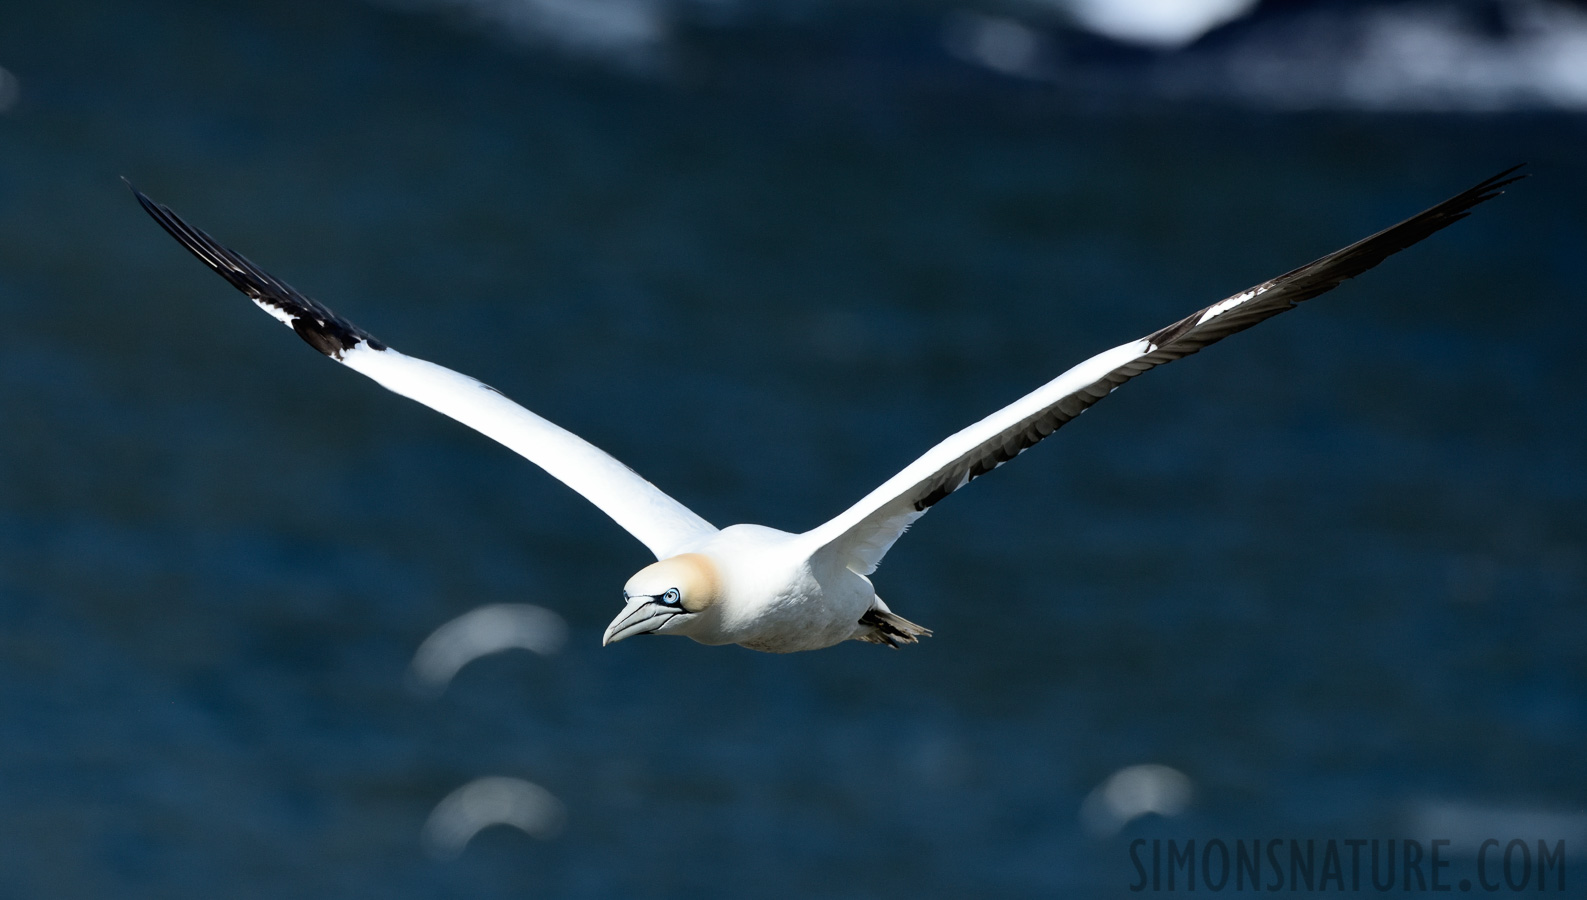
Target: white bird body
771, 596
759, 587
756, 586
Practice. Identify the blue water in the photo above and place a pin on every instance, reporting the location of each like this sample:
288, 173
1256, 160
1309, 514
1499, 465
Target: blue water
1333, 570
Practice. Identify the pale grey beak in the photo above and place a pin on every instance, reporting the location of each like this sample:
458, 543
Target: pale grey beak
641, 615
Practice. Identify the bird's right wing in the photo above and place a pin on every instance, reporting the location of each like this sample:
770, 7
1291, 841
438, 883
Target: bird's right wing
659, 522
863, 533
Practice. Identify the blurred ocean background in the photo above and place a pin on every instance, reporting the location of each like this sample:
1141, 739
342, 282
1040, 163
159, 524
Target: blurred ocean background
1328, 579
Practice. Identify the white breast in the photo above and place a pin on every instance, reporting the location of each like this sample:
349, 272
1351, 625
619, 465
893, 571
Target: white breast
774, 600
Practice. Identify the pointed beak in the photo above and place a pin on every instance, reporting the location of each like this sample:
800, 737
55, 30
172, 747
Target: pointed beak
641, 615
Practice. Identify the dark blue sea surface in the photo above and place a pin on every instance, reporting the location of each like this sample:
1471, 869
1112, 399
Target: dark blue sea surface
1333, 570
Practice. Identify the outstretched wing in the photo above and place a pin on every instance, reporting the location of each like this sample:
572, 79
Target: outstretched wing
658, 521
862, 534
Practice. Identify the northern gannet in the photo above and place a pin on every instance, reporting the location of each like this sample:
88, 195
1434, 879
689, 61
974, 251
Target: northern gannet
759, 587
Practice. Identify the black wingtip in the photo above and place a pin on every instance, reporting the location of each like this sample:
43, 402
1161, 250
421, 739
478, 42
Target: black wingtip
143, 199
317, 325
1515, 168
158, 212
1491, 188
1367, 253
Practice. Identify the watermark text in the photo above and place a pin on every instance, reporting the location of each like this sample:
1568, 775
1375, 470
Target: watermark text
1350, 864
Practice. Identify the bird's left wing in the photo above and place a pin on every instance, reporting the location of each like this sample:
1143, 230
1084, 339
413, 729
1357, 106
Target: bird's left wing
863, 533
658, 521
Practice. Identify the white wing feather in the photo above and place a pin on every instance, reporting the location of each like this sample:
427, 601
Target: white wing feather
865, 531
659, 522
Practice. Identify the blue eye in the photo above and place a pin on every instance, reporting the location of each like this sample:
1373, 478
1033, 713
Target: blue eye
671, 597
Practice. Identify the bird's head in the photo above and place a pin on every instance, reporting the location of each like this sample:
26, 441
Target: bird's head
666, 597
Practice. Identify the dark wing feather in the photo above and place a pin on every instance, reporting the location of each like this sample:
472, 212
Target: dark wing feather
866, 530
1196, 331
324, 330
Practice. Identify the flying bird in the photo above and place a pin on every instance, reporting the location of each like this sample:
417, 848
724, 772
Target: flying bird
759, 587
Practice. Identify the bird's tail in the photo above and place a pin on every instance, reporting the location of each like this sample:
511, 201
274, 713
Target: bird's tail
887, 628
